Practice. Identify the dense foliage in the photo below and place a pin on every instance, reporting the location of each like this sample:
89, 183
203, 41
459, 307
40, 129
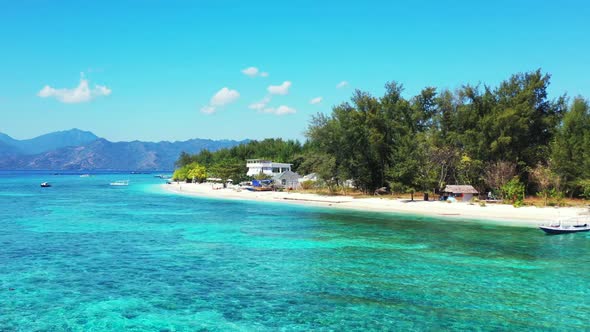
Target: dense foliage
230, 163
501, 139
191, 172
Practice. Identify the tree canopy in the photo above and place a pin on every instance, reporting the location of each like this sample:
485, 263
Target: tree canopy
480, 135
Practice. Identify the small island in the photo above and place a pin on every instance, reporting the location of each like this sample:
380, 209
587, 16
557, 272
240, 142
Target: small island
518, 155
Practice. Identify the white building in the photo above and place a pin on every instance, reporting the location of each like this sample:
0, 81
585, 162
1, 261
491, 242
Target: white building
257, 166
313, 177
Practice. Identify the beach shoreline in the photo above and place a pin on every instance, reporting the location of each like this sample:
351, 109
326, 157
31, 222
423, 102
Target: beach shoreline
528, 216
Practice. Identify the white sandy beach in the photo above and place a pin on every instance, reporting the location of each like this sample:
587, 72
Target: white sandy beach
499, 213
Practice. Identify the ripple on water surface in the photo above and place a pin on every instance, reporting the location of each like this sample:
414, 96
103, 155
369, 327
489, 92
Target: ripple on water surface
82, 256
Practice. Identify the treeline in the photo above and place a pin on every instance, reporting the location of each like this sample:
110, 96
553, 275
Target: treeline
230, 163
496, 139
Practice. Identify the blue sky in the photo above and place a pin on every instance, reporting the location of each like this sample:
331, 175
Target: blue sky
153, 67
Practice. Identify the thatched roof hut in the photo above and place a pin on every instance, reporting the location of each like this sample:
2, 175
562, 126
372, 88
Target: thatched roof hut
463, 192
460, 189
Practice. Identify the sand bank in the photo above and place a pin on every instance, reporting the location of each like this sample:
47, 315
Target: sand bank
525, 216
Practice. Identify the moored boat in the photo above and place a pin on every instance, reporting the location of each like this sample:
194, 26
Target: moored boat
258, 188
560, 229
120, 183
45, 185
574, 225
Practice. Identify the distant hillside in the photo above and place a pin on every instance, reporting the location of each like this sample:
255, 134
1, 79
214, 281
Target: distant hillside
7, 146
51, 141
81, 150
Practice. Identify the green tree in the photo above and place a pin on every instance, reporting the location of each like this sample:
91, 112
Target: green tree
497, 174
547, 182
180, 174
196, 172
190, 172
184, 159
229, 169
584, 188
433, 139
570, 152
469, 171
514, 191
523, 120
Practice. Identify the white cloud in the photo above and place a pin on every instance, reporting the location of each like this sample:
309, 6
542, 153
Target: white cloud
342, 84
102, 90
260, 105
81, 93
282, 89
253, 72
223, 97
281, 110
285, 110
316, 100
250, 71
208, 109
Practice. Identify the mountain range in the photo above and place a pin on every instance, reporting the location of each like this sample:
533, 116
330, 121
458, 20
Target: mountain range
82, 150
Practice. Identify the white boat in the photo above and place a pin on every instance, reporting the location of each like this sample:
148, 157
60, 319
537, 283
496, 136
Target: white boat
120, 183
45, 185
573, 225
85, 175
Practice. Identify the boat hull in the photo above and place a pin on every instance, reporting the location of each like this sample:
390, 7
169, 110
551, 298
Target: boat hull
558, 230
120, 183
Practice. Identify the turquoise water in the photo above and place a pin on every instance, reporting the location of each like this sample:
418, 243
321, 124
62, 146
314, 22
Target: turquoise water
83, 256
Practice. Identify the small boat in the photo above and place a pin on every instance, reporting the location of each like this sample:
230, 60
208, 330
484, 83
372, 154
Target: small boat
120, 183
45, 185
259, 188
564, 229
573, 225
85, 175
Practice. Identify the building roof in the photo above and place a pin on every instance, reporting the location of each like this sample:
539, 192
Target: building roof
263, 161
258, 161
460, 189
311, 176
286, 175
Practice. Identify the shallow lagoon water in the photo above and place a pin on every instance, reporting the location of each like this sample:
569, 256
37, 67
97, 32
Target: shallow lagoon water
84, 256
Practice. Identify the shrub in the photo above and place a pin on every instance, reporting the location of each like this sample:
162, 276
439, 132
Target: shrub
306, 185
585, 188
514, 192
558, 197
